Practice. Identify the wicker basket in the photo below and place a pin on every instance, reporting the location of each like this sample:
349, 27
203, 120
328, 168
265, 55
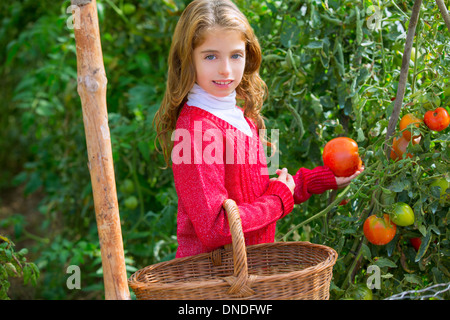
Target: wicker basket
282, 270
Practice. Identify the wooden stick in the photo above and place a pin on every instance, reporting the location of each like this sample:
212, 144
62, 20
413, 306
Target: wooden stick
403, 74
444, 13
92, 90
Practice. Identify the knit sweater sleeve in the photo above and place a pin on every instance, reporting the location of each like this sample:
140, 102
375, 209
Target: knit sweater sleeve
315, 181
201, 192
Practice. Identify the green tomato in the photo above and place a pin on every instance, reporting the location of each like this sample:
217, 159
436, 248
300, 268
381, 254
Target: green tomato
131, 202
443, 184
361, 292
127, 186
447, 91
128, 8
402, 214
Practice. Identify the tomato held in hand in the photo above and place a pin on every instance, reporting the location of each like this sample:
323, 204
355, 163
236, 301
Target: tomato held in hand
405, 122
437, 120
341, 156
402, 214
379, 231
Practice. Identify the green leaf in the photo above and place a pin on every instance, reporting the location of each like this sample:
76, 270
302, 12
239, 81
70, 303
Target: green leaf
290, 33
315, 45
385, 262
366, 252
9, 255
426, 240
413, 278
27, 272
359, 23
400, 184
3, 272
316, 105
360, 136
144, 149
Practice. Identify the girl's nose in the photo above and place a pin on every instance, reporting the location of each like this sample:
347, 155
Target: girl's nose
225, 68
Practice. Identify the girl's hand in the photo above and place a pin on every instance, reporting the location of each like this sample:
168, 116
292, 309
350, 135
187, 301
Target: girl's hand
342, 182
286, 178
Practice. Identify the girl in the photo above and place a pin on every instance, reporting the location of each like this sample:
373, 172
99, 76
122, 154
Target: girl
214, 146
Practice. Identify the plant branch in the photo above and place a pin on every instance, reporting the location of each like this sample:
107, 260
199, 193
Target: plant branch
338, 199
352, 271
403, 73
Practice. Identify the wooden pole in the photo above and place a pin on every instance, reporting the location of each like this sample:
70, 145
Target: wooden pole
92, 90
403, 73
444, 12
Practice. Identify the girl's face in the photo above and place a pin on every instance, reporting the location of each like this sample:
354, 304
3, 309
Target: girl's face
220, 61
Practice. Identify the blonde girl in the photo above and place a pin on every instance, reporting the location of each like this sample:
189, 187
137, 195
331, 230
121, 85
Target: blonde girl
213, 145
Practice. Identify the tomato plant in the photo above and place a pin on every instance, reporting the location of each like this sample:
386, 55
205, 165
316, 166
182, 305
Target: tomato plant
341, 156
349, 91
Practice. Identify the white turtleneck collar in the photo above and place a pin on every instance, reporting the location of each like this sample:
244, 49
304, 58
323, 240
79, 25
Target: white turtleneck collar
222, 107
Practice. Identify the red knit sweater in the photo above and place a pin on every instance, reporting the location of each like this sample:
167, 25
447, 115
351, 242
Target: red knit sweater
213, 161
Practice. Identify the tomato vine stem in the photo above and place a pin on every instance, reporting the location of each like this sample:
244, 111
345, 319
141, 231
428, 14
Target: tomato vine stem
334, 203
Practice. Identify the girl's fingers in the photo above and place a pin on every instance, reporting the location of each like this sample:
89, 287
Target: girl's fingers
282, 175
286, 178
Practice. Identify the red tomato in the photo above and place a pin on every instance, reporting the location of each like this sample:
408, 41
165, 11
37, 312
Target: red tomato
416, 242
437, 120
341, 156
406, 121
379, 231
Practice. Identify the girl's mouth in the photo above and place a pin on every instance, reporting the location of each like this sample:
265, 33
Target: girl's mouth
223, 82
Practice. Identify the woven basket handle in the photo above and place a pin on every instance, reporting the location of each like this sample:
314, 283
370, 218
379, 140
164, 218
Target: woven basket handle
240, 281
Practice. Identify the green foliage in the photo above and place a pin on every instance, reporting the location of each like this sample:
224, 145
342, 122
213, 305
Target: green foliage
328, 74
14, 265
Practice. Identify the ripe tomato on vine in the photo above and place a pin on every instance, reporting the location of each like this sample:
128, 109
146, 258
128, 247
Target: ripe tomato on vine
379, 231
437, 119
407, 121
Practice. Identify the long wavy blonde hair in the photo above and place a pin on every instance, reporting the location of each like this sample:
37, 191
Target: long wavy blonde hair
199, 17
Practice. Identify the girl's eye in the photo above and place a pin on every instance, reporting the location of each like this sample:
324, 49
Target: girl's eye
236, 56
210, 57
